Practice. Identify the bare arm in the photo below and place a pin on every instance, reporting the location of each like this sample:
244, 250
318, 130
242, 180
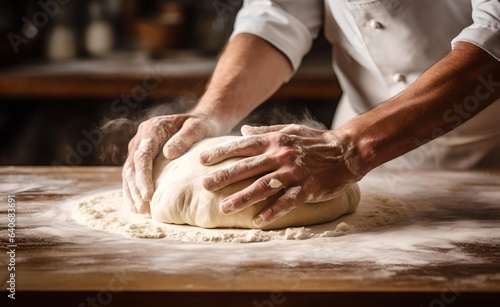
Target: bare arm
451, 92
249, 71
330, 160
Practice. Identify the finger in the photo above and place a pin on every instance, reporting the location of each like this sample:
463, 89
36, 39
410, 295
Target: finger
241, 147
126, 192
292, 129
143, 162
292, 198
140, 204
256, 192
127, 166
191, 132
251, 130
237, 171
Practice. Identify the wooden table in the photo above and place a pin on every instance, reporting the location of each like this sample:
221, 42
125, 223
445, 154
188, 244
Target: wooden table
457, 260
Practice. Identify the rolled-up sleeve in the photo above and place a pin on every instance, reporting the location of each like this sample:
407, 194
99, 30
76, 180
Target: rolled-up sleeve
289, 25
485, 31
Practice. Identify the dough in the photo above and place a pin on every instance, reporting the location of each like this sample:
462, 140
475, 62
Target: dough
180, 198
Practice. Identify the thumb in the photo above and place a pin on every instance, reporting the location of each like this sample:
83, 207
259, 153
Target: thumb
247, 130
190, 133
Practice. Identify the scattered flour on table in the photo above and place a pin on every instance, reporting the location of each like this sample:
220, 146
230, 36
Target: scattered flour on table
107, 212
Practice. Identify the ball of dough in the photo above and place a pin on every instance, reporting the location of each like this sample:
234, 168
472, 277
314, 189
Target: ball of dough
180, 198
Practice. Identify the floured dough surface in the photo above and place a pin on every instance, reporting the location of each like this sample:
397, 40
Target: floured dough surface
108, 212
180, 198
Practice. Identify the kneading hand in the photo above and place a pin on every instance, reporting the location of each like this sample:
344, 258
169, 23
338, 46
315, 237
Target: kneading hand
307, 165
176, 134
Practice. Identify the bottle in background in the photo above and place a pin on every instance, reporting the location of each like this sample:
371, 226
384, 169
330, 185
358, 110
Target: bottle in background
61, 44
99, 38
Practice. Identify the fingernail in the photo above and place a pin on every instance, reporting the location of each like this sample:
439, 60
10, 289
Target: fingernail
206, 157
171, 152
245, 129
203, 157
143, 209
208, 182
258, 221
226, 206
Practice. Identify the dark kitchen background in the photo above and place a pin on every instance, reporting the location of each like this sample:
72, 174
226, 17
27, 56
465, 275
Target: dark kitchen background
76, 77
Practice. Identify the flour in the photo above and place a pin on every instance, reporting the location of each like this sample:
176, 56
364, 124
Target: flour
275, 183
209, 156
300, 156
107, 212
446, 217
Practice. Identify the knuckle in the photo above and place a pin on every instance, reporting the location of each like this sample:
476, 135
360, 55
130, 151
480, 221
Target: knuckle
290, 129
287, 154
249, 164
143, 125
252, 143
179, 119
240, 200
284, 139
262, 185
272, 211
194, 123
283, 208
227, 173
147, 145
129, 175
155, 127
163, 121
258, 141
157, 120
157, 131
222, 175
140, 156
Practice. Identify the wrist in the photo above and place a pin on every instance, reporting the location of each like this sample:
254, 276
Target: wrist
356, 154
210, 111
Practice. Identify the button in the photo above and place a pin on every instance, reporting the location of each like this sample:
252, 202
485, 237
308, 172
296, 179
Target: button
375, 24
397, 77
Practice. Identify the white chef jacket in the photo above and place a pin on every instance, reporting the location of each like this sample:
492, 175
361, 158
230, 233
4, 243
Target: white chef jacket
380, 47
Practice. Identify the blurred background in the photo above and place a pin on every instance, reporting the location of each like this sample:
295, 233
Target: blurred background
77, 76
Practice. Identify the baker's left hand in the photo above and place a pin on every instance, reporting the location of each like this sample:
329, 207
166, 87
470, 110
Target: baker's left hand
309, 165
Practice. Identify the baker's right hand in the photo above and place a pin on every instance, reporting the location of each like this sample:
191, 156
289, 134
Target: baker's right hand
175, 134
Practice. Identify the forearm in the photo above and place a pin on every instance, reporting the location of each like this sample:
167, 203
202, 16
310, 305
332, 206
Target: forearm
248, 72
448, 94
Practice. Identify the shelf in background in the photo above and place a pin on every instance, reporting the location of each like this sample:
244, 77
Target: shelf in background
120, 74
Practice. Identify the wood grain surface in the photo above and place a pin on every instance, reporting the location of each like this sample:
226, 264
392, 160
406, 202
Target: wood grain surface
96, 261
